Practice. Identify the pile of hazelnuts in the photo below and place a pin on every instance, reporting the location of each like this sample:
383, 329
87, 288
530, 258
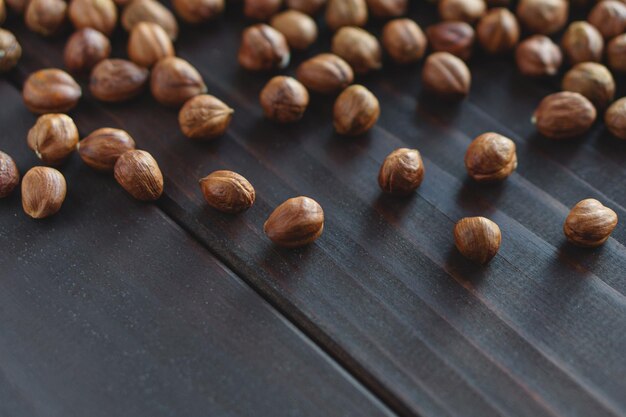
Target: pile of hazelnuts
290, 25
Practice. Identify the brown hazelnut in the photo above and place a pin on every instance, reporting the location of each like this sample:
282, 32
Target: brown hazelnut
148, 43
204, 117
50, 91
325, 74
115, 80
296, 222
139, 174
388, 8
284, 99
149, 11
356, 111
53, 138
43, 192
198, 11
9, 175
615, 118
477, 238
609, 17
593, 81
309, 7
299, 29
446, 76
589, 224
227, 191
402, 172
84, 49
174, 81
18, 6
564, 115
96, 14
404, 41
45, 17
263, 48
359, 48
456, 38
582, 43
616, 53
261, 9
10, 51
340, 13
490, 157
543, 16
101, 149
498, 31
462, 10
538, 56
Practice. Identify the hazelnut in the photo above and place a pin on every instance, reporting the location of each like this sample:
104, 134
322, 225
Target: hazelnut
309, 7
299, 29
18, 6
564, 115
616, 53
609, 17
543, 16
593, 81
174, 81
498, 31
356, 111
204, 117
115, 80
296, 222
615, 118
325, 73
261, 9
340, 13
538, 56
490, 157
388, 8
359, 48
45, 17
43, 192
96, 14
101, 149
402, 172
263, 48
284, 99
9, 175
149, 11
148, 43
404, 41
10, 51
50, 91
227, 191
462, 10
84, 49
198, 11
589, 224
582, 42
53, 138
139, 174
456, 38
477, 238
446, 76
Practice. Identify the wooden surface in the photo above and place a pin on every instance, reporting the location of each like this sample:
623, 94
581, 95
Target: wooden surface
538, 332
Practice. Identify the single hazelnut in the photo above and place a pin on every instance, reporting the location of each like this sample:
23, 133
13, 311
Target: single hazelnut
616, 53
101, 149
198, 11
402, 172
456, 38
341, 13
462, 10
544, 17
96, 14
18, 6
53, 138
325, 74
589, 224
261, 9
204, 117
356, 111
593, 81
388, 8
490, 157
296, 222
615, 118
148, 43
582, 42
227, 191
477, 238
9, 175
284, 99
538, 56
149, 11
299, 29
174, 81
50, 91
564, 115
609, 17
43, 192
115, 80
309, 7
404, 41
10, 51
446, 76
139, 174
45, 17
498, 31
263, 48
84, 49
359, 48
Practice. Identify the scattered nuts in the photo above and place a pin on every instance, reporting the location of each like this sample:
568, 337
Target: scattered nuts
43, 192
589, 224
148, 43
564, 115
101, 149
609, 17
359, 48
204, 117
45, 17
341, 13
582, 43
477, 238
263, 48
53, 138
198, 11
543, 16
261, 9
462, 10
309, 7
149, 11
84, 49
139, 174
115, 80
615, 118
296, 222
616, 53
593, 81
388, 8
299, 29
174, 81
325, 73
356, 111
446, 76
498, 31
456, 38
9, 175
404, 41
10, 51
96, 14
284, 99
538, 56
490, 157
50, 91
227, 191
402, 172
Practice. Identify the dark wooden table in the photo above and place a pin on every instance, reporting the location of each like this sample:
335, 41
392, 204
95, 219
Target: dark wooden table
119, 308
